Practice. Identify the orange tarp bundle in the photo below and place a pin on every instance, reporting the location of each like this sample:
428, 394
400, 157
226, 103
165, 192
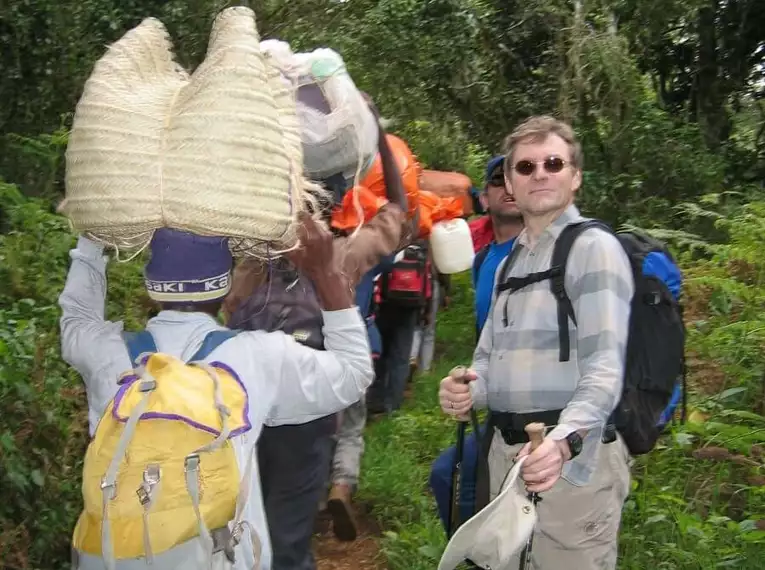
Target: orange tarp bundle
371, 189
346, 218
408, 168
439, 196
434, 209
447, 185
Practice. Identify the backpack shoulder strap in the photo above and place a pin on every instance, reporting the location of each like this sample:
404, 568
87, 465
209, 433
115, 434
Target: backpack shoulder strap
137, 343
212, 341
505, 267
480, 257
560, 255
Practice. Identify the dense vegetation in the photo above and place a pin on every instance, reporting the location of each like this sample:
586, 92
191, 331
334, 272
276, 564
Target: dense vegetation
667, 97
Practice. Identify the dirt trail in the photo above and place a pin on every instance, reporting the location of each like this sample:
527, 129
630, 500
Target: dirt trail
361, 554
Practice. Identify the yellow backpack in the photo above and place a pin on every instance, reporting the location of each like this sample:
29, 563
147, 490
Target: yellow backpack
161, 481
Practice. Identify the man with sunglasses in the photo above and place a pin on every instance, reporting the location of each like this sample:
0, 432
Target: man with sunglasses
581, 469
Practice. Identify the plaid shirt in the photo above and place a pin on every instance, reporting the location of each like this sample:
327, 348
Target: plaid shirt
517, 365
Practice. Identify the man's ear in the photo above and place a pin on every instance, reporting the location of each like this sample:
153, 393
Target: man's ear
576, 182
483, 198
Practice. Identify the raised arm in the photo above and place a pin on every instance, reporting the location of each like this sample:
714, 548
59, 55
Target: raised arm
315, 383
89, 342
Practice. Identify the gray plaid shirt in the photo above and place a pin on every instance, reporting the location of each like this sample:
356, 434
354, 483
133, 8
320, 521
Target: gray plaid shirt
517, 365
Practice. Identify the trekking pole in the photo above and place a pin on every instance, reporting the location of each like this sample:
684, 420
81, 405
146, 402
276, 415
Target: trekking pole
458, 373
536, 433
454, 508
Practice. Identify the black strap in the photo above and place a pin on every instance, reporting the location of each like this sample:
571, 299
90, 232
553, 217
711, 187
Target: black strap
514, 284
482, 480
561, 251
504, 272
515, 424
454, 518
478, 260
556, 274
480, 257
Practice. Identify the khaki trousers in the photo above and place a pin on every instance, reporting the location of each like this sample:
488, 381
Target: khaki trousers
578, 527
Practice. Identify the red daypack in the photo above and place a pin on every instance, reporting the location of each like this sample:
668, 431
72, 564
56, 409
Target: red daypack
408, 283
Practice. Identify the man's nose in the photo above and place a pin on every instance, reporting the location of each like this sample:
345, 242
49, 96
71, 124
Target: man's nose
539, 172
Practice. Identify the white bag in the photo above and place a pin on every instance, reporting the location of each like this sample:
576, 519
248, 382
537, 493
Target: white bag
495, 534
338, 131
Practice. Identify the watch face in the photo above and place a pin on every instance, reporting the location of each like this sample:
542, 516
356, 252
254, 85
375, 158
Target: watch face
575, 443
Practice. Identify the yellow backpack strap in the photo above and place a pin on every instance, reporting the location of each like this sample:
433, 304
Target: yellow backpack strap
241, 500
147, 495
223, 410
109, 482
192, 460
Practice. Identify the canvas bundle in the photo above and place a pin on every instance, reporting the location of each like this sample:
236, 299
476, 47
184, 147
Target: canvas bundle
339, 133
216, 152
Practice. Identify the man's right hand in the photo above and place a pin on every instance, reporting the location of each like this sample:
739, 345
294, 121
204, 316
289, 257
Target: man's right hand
315, 259
454, 394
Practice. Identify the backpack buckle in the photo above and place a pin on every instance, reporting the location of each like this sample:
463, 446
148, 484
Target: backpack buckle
147, 386
236, 534
557, 284
652, 298
151, 477
109, 489
191, 463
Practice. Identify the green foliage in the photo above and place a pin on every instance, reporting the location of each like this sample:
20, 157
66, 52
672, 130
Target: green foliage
445, 146
43, 428
41, 448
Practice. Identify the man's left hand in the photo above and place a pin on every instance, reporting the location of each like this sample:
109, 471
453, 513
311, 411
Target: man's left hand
543, 467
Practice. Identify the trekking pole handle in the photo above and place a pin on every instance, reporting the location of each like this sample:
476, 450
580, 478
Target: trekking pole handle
458, 373
536, 432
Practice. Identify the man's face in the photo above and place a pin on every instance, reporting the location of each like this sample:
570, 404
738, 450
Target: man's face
497, 200
541, 176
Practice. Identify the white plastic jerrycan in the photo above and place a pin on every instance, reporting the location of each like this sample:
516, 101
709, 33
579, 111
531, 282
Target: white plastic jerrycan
452, 246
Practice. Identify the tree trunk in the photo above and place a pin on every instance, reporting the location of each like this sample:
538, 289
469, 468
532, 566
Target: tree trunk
710, 92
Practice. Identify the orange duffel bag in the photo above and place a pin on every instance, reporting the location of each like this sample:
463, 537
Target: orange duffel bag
448, 185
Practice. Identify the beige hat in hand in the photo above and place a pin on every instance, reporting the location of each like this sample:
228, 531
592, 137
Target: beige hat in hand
494, 535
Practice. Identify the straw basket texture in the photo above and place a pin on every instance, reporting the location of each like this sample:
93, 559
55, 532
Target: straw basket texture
216, 153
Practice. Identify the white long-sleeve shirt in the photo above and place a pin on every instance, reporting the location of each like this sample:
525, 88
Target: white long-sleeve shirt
286, 382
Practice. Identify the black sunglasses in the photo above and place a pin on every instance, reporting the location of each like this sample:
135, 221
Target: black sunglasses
551, 164
497, 179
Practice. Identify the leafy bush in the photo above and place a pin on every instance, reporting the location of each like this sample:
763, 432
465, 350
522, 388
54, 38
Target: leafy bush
43, 425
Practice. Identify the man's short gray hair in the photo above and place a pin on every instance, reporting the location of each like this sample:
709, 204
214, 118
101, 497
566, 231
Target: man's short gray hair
537, 129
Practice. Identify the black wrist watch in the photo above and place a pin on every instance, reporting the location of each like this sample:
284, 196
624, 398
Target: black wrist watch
574, 443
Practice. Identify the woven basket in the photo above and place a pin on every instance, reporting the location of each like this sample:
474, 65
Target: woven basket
216, 153
112, 159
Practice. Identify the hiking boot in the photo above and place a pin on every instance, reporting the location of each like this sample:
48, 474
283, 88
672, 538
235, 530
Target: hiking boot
412, 370
339, 506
